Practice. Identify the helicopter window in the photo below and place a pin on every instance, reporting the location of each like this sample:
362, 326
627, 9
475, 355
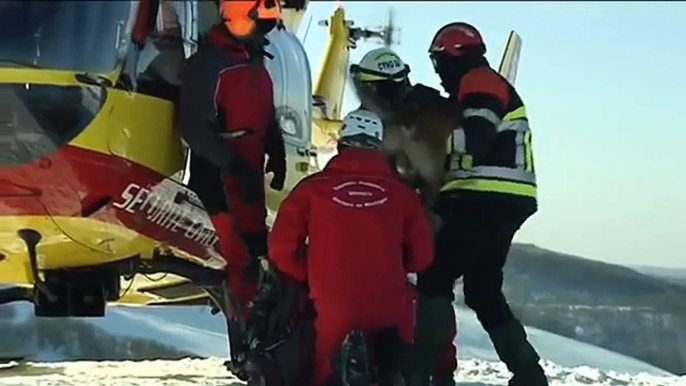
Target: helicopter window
290, 74
207, 16
163, 56
65, 35
38, 119
295, 4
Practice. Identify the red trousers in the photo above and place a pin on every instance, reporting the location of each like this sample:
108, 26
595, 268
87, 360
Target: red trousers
335, 320
231, 229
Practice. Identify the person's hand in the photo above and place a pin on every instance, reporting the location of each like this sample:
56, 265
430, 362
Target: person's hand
435, 221
278, 167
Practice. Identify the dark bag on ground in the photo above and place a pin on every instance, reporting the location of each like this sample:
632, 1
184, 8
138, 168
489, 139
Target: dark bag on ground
281, 336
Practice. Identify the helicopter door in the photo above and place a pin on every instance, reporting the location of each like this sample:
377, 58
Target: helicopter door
290, 71
142, 123
207, 16
174, 38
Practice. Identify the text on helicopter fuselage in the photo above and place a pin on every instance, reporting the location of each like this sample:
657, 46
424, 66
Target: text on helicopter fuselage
167, 214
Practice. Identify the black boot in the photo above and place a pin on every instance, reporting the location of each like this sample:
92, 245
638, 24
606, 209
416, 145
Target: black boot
434, 316
513, 348
443, 381
388, 357
411, 369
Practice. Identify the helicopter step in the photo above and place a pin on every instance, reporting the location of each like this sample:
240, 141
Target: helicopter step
78, 292
84, 291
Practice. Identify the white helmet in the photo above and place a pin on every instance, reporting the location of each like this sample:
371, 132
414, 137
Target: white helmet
380, 64
361, 128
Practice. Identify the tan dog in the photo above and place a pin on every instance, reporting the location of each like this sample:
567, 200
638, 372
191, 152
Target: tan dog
416, 135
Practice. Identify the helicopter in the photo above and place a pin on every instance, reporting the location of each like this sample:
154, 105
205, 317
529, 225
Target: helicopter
92, 168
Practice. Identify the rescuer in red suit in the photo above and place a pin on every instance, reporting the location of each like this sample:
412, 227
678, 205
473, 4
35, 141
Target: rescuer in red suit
353, 232
227, 117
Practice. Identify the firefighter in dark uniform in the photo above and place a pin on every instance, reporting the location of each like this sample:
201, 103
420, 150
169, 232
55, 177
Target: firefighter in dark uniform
227, 117
490, 191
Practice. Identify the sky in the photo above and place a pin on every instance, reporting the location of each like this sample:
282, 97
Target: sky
603, 84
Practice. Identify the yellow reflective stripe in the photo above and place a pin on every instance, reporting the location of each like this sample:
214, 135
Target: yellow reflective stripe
528, 153
365, 77
506, 187
518, 113
466, 161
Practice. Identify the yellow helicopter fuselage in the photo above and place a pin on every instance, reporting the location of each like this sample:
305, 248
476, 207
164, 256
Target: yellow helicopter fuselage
98, 169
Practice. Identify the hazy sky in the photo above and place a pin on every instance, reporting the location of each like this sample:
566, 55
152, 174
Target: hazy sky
604, 84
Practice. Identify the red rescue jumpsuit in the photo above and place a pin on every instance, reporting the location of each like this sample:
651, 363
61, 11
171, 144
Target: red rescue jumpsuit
367, 231
226, 109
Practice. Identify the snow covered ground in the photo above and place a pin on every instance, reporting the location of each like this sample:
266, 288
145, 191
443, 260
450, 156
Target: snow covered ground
567, 362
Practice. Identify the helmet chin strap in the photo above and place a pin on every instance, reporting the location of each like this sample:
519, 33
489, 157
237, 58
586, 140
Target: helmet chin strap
256, 41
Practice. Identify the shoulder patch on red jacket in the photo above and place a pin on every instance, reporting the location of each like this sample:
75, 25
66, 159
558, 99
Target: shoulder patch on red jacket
483, 80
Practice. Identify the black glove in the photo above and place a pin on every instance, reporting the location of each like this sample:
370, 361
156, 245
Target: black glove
263, 305
435, 221
276, 151
250, 182
278, 167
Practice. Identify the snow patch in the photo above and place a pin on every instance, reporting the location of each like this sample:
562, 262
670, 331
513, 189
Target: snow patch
194, 329
211, 372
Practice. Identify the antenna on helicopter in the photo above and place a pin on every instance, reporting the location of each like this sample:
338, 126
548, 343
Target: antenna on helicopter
390, 31
307, 30
387, 34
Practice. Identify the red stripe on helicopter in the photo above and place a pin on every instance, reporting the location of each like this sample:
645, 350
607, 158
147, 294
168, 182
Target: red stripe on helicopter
77, 182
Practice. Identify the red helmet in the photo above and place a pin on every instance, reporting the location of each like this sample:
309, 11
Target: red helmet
452, 38
240, 17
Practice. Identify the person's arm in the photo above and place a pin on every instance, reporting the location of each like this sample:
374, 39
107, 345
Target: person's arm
483, 97
418, 238
197, 114
289, 232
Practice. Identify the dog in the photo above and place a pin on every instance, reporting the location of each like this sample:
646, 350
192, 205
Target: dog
418, 125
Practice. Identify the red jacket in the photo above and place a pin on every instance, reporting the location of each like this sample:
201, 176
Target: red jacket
226, 109
366, 229
228, 89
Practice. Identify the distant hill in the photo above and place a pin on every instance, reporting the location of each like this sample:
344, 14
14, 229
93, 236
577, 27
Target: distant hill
558, 277
48, 339
675, 275
615, 307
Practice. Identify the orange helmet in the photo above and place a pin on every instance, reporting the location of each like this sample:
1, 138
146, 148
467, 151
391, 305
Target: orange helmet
452, 38
241, 17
